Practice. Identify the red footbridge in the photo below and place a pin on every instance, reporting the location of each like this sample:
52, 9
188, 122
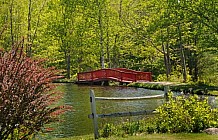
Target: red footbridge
121, 75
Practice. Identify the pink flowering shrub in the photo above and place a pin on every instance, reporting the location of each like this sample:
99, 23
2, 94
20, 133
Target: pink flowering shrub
25, 95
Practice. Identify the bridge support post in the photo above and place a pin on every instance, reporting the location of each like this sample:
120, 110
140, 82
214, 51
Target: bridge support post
94, 114
123, 83
105, 83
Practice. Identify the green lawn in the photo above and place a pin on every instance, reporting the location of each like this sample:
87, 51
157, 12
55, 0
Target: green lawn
180, 136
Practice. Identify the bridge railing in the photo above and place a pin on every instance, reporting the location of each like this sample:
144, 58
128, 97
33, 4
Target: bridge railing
118, 74
94, 116
141, 76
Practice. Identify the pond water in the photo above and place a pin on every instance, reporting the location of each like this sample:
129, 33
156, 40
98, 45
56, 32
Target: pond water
76, 122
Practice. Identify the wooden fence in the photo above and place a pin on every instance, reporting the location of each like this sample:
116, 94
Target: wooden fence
94, 116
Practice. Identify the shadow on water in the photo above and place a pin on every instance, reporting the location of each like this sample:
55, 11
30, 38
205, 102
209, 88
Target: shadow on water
76, 122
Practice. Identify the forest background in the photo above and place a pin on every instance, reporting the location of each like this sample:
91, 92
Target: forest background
176, 40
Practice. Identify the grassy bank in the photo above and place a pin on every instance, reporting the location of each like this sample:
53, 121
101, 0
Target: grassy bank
65, 80
179, 136
194, 88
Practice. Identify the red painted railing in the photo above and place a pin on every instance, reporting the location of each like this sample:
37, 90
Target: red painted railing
116, 74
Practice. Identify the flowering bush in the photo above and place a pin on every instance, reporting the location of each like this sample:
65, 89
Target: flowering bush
25, 95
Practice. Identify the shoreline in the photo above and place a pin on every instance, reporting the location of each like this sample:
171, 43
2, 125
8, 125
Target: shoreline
186, 88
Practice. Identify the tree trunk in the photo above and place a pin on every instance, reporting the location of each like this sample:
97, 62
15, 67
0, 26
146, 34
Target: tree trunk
166, 55
29, 45
168, 58
108, 42
183, 63
166, 61
196, 63
11, 22
120, 10
108, 51
68, 66
101, 33
115, 53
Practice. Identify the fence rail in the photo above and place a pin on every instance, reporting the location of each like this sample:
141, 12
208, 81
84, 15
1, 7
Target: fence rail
123, 114
131, 98
94, 116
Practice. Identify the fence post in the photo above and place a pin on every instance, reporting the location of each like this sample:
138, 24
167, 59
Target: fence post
94, 114
166, 90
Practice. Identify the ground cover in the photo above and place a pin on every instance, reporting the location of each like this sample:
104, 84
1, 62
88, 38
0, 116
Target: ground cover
179, 136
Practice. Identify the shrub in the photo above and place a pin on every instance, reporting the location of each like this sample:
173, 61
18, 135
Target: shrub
25, 95
128, 128
108, 130
185, 114
180, 114
131, 128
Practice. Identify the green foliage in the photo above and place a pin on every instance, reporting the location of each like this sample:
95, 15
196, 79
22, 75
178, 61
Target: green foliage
175, 76
131, 128
108, 130
126, 128
185, 114
208, 67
